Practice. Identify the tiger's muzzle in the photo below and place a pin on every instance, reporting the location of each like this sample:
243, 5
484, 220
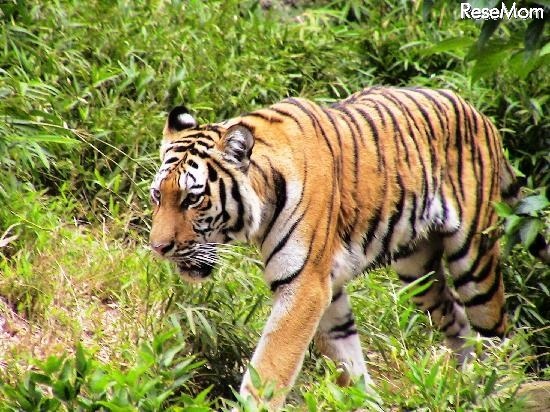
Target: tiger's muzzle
194, 262
196, 272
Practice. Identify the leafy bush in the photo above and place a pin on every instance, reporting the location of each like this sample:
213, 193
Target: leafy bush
155, 382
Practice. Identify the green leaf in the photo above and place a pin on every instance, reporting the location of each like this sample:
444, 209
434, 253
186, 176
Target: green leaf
529, 230
22, 400
40, 378
254, 377
269, 391
62, 390
414, 288
168, 356
99, 382
545, 49
503, 209
187, 366
512, 223
206, 327
453, 43
52, 364
47, 138
114, 407
81, 362
486, 65
490, 384
531, 204
523, 63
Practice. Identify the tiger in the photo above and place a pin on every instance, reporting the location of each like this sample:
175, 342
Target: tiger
404, 177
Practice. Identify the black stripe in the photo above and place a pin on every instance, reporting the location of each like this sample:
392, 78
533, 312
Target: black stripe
412, 219
459, 116
319, 128
492, 155
372, 225
285, 281
380, 114
440, 109
397, 132
424, 114
337, 295
339, 138
254, 164
178, 148
171, 160
409, 116
408, 278
443, 328
263, 116
236, 194
486, 296
314, 121
343, 335
395, 217
463, 251
222, 194
279, 186
439, 283
283, 241
212, 174
288, 114
431, 137
435, 305
345, 113
343, 326
404, 251
469, 277
375, 134
492, 332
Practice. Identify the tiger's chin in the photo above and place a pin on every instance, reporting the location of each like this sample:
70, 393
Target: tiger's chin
195, 274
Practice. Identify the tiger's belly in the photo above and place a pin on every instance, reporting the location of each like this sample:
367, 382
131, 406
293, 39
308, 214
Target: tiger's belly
392, 236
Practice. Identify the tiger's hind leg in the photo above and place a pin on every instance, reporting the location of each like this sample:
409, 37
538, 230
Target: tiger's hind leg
438, 299
474, 264
337, 338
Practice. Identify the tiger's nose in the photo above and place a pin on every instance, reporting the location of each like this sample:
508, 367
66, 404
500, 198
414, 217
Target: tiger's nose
162, 248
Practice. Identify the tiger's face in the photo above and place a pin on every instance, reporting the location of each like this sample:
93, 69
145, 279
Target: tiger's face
200, 194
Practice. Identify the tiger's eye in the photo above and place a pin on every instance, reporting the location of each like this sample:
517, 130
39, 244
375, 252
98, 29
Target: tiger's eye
190, 200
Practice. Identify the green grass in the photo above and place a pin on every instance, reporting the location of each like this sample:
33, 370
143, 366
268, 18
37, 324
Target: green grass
89, 318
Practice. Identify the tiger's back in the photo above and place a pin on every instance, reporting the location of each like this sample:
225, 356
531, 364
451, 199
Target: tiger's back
398, 164
387, 176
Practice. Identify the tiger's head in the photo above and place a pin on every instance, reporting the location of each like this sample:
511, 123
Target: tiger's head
201, 194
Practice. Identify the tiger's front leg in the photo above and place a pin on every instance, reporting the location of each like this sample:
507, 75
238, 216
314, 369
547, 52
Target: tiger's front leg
297, 309
338, 339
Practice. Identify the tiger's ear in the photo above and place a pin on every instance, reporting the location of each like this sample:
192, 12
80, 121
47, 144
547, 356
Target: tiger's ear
237, 144
178, 120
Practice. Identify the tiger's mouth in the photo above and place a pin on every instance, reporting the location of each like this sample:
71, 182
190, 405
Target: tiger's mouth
195, 273
197, 265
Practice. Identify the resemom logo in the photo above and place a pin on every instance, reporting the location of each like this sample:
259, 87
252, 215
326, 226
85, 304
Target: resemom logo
467, 11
